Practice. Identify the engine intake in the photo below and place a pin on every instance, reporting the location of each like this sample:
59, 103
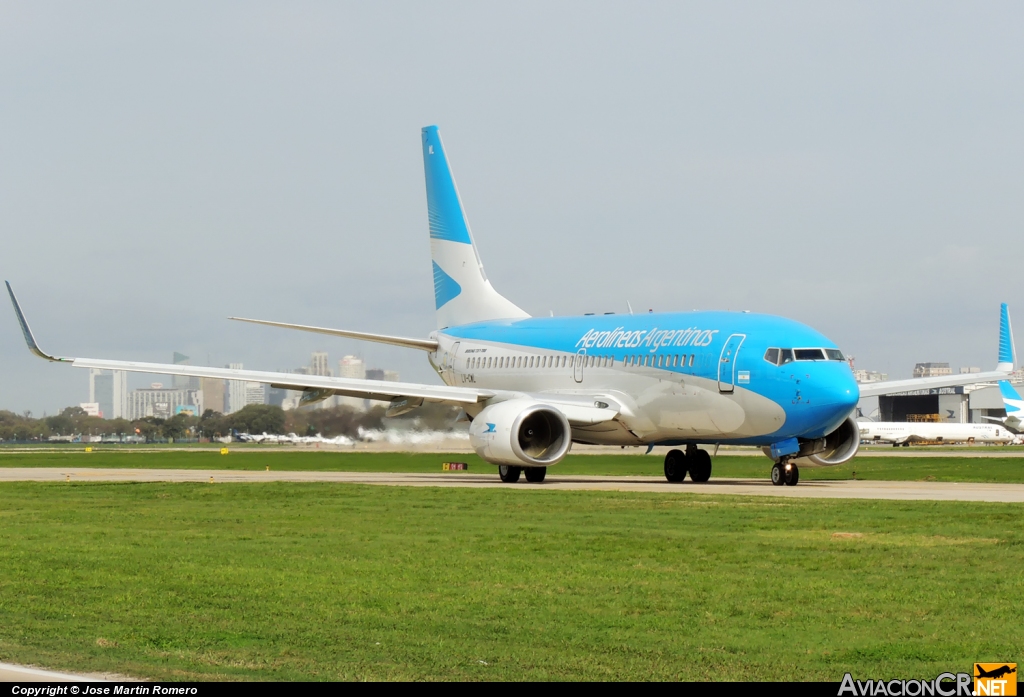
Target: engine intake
521, 432
840, 446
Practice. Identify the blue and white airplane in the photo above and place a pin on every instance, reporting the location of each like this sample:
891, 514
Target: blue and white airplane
532, 386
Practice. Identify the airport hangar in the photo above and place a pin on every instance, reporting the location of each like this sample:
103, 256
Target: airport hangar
960, 404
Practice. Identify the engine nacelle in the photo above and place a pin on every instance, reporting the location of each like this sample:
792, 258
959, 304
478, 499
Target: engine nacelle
521, 432
840, 446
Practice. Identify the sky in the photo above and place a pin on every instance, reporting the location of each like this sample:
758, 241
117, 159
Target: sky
855, 166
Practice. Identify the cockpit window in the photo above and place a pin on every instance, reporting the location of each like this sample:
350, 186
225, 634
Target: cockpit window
809, 354
785, 356
834, 355
772, 356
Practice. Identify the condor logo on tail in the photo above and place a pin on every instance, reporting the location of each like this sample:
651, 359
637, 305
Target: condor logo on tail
995, 679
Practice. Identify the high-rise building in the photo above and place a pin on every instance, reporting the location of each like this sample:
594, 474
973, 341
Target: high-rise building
255, 393
318, 364
352, 367
381, 374
236, 391
109, 389
213, 394
162, 403
183, 382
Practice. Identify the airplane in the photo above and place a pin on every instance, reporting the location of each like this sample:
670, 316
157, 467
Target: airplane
904, 433
532, 386
1014, 406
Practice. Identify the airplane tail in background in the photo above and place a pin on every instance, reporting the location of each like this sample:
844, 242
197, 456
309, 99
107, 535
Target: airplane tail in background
462, 293
1007, 354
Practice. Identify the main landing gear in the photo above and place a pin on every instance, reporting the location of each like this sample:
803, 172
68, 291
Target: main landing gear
510, 474
694, 461
785, 472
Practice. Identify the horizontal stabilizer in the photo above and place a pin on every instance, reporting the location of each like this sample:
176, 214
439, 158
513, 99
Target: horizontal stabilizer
421, 344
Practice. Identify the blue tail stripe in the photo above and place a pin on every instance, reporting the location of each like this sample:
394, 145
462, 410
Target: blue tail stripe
445, 287
1007, 392
444, 210
1005, 336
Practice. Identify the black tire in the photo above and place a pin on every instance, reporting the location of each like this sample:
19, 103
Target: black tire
675, 466
778, 475
509, 474
793, 476
536, 474
700, 466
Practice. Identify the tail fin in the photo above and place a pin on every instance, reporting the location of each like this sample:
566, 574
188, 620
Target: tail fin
1007, 355
462, 292
1011, 400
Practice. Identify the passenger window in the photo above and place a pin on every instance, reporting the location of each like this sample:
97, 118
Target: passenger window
772, 356
786, 356
691, 360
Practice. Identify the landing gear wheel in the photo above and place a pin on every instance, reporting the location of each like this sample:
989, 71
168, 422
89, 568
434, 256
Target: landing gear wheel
675, 466
793, 476
700, 466
536, 474
509, 474
778, 474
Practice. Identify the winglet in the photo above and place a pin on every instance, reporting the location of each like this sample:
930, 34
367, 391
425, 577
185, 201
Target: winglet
1007, 355
29, 339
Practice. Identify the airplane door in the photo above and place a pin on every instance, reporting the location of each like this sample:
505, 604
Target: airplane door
727, 362
577, 365
449, 367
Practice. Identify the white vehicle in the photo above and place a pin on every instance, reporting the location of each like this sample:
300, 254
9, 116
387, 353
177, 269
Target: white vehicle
900, 433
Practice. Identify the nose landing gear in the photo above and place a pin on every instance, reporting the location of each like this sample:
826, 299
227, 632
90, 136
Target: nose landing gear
785, 472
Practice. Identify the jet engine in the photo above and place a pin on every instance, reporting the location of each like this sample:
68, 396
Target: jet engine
840, 445
521, 432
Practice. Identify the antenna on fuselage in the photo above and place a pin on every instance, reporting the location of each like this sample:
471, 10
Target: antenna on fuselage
630, 307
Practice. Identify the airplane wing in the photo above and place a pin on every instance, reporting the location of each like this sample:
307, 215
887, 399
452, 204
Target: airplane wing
422, 344
348, 387
873, 389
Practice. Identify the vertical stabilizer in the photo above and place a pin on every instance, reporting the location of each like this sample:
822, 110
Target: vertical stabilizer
462, 293
1007, 355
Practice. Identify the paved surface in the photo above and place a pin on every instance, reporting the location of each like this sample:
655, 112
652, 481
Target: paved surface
19, 674
929, 491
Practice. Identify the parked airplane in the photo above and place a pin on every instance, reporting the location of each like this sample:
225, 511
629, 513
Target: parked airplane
1014, 406
900, 433
534, 385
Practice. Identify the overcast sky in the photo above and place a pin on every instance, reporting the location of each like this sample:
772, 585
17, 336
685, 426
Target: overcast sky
855, 166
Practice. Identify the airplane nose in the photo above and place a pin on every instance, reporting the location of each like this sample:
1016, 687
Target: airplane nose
842, 392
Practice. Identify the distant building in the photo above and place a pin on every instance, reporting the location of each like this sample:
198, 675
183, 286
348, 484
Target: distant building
109, 389
391, 376
967, 370
254, 393
930, 370
183, 382
276, 396
214, 392
236, 391
380, 374
318, 364
161, 403
352, 367
864, 376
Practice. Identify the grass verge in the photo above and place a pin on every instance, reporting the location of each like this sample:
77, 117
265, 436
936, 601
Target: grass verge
316, 581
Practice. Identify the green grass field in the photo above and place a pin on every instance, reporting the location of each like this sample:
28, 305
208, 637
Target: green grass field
947, 469
319, 581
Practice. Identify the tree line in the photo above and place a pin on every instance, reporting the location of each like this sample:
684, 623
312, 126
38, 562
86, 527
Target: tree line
255, 418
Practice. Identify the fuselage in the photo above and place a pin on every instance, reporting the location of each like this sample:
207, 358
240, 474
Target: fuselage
900, 432
694, 377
